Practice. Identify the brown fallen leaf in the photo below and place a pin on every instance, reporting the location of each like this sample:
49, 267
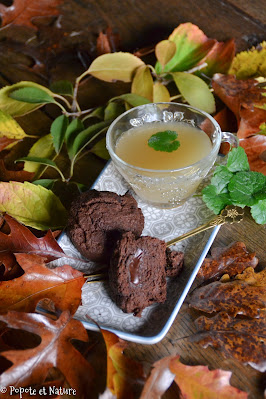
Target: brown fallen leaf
62, 285
252, 278
243, 339
17, 175
107, 42
255, 148
21, 12
5, 141
193, 381
30, 366
234, 297
124, 375
232, 260
21, 239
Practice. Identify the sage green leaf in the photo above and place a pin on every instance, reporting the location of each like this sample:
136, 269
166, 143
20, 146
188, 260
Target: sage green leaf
115, 66
100, 149
47, 183
63, 87
19, 108
85, 137
134, 100
160, 93
42, 161
142, 83
32, 95
10, 128
42, 148
164, 51
113, 110
32, 205
74, 128
195, 91
96, 113
58, 131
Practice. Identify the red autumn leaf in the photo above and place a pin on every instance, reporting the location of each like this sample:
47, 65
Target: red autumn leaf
21, 12
234, 297
255, 148
21, 239
240, 338
30, 366
62, 285
107, 42
231, 260
200, 382
122, 372
5, 141
219, 58
17, 175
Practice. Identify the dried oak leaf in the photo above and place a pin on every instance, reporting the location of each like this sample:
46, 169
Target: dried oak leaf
107, 42
255, 148
30, 366
21, 239
124, 375
234, 297
232, 260
252, 278
21, 12
193, 381
62, 285
243, 339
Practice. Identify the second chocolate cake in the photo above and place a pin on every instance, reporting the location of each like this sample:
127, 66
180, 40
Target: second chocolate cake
137, 274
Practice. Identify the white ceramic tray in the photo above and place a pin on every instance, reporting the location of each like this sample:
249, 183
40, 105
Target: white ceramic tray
165, 224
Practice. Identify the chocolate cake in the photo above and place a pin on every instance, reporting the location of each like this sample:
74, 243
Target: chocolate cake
137, 276
174, 262
98, 218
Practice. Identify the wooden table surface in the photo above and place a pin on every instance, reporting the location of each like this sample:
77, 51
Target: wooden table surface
142, 23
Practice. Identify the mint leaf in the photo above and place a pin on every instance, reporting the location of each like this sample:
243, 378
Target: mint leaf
237, 160
221, 178
164, 141
243, 186
258, 212
214, 201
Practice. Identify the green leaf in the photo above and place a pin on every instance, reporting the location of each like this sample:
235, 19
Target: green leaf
47, 183
113, 110
58, 131
258, 212
10, 128
142, 83
164, 51
164, 141
19, 108
32, 205
214, 201
85, 137
100, 150
237, 160
32, 95
195, 91
132, 99
42, 161
42, 148
74, 128
221, 178
115, 66
63, 87
243, 186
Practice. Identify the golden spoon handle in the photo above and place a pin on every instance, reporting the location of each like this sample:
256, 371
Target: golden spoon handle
230, 215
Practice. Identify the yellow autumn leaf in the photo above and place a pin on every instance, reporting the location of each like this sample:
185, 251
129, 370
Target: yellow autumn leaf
115, 66
164, 51
160, 93
10, 128
142, 83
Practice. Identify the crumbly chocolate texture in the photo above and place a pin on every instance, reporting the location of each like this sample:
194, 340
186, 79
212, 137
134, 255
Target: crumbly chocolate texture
98, 218
137, 276
174, 262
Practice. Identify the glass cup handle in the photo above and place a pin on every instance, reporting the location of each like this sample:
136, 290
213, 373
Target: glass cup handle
230, 138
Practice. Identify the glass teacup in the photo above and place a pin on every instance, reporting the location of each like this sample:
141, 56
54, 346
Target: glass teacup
165, 179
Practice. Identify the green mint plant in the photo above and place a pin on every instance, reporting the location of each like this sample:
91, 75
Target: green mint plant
236, 184
164, 141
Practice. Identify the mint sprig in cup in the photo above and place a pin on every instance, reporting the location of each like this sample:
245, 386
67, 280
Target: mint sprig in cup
163, 178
